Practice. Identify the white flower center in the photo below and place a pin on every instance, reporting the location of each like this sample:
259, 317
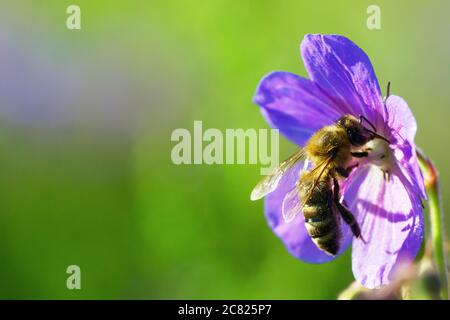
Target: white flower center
380, 154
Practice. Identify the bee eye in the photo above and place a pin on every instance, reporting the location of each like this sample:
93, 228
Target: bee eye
356, 137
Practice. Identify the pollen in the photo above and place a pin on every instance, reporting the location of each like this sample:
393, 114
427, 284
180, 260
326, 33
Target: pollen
380, 155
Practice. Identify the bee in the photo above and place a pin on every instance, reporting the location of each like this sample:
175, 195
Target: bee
328, 156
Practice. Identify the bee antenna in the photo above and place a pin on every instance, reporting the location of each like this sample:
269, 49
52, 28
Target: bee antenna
376, 135
361, 118
388, 91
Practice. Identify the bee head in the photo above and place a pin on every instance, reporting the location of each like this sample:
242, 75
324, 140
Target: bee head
356, 133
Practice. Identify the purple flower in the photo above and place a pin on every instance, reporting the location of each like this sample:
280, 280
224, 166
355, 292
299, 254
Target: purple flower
388, 211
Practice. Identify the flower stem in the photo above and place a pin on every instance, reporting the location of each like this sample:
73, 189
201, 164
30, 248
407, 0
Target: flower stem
436, 211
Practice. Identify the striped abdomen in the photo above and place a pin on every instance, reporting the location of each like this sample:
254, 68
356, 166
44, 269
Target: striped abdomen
321, 221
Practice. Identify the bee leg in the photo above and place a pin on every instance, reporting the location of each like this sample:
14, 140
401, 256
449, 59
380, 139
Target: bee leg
360, 154
386, 175
347, 216
342, 172
345, 172
350, 168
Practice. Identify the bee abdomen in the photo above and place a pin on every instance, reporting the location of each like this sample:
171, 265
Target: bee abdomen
319, 228
315, 212
324, 231
320, 221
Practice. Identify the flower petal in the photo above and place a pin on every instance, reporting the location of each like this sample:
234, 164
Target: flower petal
294, 105
400, 118
294, 234
344, 71
403, 127
391, 221
407, 160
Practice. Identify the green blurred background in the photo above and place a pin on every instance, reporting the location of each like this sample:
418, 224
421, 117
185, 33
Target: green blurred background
85, 124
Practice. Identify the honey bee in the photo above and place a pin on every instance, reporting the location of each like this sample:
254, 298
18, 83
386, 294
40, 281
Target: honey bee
329, 155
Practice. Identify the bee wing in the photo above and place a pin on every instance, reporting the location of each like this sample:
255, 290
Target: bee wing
270, 182
291, 205
321, 169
